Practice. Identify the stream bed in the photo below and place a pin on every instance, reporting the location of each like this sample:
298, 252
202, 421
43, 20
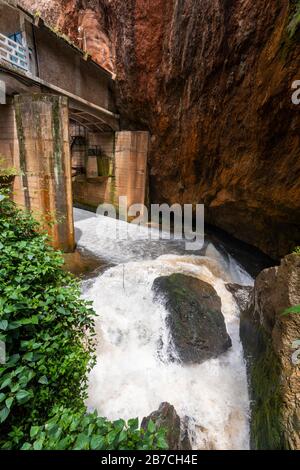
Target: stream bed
133, 374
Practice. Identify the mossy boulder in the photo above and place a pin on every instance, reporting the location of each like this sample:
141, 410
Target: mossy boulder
195, 319
176, 429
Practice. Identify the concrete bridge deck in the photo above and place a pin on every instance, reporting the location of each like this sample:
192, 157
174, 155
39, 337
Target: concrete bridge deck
59, 125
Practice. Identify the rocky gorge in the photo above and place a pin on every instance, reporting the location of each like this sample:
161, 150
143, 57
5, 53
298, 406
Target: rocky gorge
212, 82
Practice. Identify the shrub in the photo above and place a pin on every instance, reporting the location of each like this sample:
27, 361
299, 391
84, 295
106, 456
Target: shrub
7, 171
79, 431
296, 250
48, 331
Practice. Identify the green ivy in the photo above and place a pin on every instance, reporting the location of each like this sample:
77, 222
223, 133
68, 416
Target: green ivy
48, 331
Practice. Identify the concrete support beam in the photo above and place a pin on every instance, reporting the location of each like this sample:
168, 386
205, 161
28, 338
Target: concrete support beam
9, 144
131, 152
44, 158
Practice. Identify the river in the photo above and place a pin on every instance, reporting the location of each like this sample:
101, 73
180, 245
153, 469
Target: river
133, 374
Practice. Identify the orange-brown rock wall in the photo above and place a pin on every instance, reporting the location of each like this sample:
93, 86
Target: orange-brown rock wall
211, 80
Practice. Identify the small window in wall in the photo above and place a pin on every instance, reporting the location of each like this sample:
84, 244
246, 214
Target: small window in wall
94, 151
104, 163
78, 146
17, 37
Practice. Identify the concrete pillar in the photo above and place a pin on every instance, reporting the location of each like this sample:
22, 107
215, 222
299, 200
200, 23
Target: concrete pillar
131, 152
44, 154
9, 145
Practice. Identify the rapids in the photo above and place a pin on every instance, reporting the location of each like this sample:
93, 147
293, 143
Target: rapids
133, 374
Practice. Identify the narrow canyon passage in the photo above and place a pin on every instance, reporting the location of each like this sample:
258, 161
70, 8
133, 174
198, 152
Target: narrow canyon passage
134, 374
117, 336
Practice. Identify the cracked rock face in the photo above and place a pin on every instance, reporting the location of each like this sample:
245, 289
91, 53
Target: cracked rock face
212, 81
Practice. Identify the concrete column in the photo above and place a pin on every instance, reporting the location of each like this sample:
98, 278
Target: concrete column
44, 153
131, 152
9, 145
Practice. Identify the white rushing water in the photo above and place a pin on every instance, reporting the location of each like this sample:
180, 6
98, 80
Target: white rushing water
133, 376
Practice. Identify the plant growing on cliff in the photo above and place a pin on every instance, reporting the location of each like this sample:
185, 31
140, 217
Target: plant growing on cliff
6, 172
295, 309
294, 21
48, 332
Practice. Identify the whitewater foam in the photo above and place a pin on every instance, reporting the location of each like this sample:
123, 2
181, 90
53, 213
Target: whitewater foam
133, 375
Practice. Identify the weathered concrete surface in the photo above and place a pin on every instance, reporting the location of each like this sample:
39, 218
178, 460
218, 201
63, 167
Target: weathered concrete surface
131, 153
268, 339
9, 144
124, 171
45, 187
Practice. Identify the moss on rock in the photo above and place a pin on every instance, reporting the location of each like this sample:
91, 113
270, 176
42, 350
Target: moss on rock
267, 432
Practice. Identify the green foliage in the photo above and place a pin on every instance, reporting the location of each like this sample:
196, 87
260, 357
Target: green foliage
67, 430
49, 335
7, 172
47, 329
294, 309
294, 18
296, 250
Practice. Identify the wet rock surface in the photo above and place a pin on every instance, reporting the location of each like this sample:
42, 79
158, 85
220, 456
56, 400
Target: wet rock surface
241, 294
176, 429
268, 337
195, 319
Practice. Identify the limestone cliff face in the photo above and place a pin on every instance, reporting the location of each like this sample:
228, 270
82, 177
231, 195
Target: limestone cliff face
212, 80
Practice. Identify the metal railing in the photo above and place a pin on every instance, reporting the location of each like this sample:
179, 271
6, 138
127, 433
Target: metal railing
14, 53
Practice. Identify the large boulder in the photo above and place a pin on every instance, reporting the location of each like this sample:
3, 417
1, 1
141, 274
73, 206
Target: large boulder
176, 429
270, 342
195, 320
